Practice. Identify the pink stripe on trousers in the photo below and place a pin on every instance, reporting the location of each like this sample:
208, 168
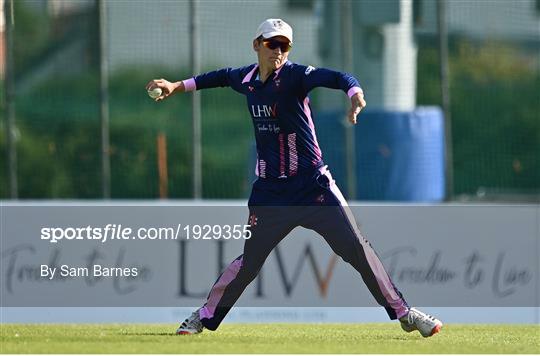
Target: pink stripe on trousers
230, 273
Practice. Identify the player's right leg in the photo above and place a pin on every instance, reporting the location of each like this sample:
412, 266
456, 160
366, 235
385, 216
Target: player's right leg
268, 228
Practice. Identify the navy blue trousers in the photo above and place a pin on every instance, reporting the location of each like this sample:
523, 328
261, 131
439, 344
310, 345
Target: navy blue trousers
276, 207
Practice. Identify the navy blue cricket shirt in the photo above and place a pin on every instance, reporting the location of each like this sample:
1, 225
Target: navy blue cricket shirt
280, 112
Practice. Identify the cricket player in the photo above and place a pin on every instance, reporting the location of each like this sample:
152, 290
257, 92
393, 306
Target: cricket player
291, 173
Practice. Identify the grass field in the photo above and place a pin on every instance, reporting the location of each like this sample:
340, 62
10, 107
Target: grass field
266, 338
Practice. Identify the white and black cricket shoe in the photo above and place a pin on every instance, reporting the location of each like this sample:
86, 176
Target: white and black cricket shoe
191, 325
424, 323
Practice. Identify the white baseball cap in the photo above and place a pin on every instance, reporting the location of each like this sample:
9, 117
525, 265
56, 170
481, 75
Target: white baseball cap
274, 27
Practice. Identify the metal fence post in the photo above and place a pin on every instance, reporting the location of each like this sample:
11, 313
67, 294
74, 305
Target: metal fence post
10, 100
195, 99
104, 100
347, 55
445, 96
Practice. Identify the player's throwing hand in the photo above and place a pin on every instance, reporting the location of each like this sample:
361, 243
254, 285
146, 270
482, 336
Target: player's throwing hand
167, 87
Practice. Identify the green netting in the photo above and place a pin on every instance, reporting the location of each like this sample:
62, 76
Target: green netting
494, 85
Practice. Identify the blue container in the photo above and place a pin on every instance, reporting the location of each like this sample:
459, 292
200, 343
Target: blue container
400, 155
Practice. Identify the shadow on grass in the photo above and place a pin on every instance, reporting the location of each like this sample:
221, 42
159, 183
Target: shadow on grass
151, 334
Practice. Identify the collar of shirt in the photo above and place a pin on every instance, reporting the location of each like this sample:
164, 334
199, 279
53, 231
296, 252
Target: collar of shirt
276, 72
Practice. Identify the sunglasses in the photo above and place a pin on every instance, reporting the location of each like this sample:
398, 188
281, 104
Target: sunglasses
273, 44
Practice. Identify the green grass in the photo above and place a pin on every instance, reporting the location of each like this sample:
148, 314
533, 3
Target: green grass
266, 338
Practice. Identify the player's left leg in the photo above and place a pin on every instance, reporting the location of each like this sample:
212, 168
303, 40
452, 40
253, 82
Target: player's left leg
335, 222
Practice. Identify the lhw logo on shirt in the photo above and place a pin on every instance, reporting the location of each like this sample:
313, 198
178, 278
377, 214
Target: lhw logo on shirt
264, 110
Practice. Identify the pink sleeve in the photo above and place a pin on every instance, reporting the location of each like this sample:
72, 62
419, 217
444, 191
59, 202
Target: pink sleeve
354, 90
189, 84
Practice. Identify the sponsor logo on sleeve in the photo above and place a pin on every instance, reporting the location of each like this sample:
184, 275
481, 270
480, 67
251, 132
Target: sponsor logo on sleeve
309, 69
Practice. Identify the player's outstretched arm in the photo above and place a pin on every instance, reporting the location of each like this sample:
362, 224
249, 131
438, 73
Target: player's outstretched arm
357, 104
168, 88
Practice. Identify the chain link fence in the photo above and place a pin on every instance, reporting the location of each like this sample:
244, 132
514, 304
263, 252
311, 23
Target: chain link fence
494, 79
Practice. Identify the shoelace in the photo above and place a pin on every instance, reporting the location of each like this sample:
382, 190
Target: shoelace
412, 316
192, 321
